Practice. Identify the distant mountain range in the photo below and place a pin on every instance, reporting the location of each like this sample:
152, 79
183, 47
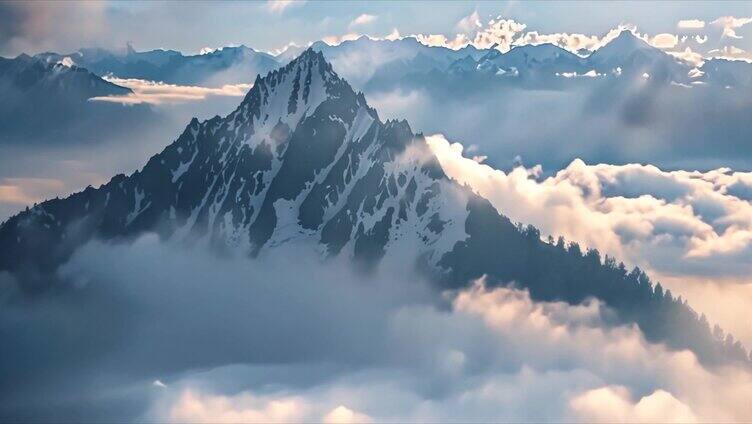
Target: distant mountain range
228, 65
304, 158
626, 55
45, 99
371, 62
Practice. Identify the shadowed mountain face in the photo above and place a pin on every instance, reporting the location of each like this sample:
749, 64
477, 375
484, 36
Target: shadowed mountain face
33, 77
229, 65
304, 159
49, 100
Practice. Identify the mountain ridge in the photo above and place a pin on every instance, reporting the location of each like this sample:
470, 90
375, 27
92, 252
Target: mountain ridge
304, 158
45, 102
390, 60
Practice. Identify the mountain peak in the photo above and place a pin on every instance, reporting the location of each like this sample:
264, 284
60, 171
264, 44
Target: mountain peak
304, 158
24, 57
306, 81
631, 53
627, 38
624, 44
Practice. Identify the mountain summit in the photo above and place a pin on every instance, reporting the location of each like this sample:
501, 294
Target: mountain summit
304, 158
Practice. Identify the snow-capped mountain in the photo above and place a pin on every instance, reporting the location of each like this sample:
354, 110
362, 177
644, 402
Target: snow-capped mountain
374, 64
628, 54
227, 65
532, 60
370, 61
305, 159
303, 156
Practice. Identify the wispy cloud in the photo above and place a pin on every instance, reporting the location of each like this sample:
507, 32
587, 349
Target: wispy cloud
730, 24
469, 23
157, 93
334, 40
363, 19
731, 53
375, 353
279, 6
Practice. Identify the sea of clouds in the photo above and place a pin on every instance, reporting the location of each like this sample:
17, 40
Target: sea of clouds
156, 332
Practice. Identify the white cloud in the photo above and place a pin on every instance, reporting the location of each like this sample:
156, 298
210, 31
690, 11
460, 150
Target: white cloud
363, 19
571, 42
685, 228
499, 32
731, 53
668, 220
392, 36
691, 24
279, 6
495, 355
344, 415
469, 23
693, 58
269, 346
193, 406
334, 40
441, 40
243, 408
730, 24
664, 41
614, 404
157, 93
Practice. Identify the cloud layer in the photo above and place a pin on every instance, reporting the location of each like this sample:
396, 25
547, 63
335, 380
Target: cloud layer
158, 93
689, 227
183, 335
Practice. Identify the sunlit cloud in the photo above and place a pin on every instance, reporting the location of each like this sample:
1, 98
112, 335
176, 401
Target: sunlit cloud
363, 19
572, 42
279, 6
158, 93
497, 355
25, 191
194, 406
731, 53
730, 24
687, 55
664, 41
689, 227
469, 23
615, 404
691, 24
334, 40
666, 220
